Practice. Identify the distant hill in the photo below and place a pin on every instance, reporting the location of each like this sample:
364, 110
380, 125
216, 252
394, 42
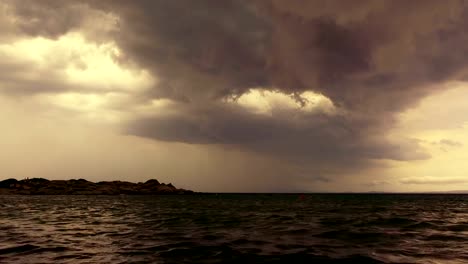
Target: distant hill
40, 186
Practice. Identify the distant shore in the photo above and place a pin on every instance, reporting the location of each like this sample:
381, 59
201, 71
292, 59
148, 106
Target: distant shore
40, 186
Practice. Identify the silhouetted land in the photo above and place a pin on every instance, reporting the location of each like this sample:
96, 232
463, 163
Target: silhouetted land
40, 186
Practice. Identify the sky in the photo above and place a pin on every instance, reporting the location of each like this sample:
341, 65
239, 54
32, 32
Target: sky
236, 95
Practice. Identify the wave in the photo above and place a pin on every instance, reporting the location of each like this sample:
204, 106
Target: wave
233, 229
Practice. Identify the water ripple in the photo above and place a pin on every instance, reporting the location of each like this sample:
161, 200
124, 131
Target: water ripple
234, 228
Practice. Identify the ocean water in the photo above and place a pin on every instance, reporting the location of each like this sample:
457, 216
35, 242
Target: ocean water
230, 228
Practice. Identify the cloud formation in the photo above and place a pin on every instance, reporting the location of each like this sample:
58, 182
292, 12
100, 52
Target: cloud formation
449, 143
371, 59
432, 180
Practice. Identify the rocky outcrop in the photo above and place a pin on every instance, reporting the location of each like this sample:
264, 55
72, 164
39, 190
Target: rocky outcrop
40, 186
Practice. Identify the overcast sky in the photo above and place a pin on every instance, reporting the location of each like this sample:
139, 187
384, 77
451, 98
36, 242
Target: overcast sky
237, 95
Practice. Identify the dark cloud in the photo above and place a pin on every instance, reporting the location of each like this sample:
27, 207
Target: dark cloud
376, 183
379, 57
450, 143
447, 143
321, 179
373, 59
47, 18
198, 48
299, 137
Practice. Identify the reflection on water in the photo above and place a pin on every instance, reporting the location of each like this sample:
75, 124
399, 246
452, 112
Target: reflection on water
233, 228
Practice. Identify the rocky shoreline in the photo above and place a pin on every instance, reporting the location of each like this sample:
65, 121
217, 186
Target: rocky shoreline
40, 186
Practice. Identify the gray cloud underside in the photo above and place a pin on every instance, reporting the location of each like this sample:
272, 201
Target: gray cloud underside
449, 143
372, 58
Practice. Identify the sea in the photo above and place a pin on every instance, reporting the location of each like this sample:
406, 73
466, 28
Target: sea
235, 228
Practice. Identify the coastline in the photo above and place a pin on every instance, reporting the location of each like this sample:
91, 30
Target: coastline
41, 186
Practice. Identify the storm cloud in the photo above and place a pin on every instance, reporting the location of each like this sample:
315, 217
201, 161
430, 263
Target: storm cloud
372, 58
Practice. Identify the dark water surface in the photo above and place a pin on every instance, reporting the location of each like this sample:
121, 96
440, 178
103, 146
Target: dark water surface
234, 228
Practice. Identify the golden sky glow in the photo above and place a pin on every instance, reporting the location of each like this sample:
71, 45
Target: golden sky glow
81, 63
440, 123
78, 64
262, 101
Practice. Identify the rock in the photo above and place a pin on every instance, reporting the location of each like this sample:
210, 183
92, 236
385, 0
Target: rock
8, 183
152, 182
36, 181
